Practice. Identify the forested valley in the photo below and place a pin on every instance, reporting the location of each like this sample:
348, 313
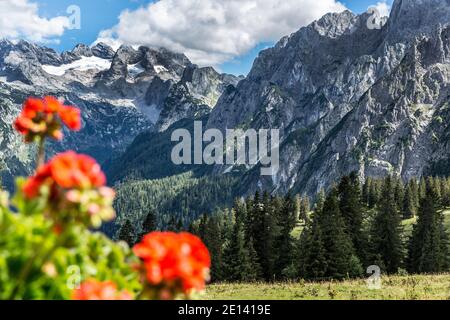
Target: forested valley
399, 227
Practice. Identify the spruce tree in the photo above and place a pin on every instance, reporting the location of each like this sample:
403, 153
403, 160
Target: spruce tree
127, 233
352, 210
304, 209
422, 190
312, 262
374, 194
437, 187
213, 238
257, 272
255, 222
399, 190
366, 191
238, 264
149, 224
318, 207
446, 192
386, 230
285, 242
445, 196
413, 184
339, 251
428, 249
266, 238
174, 224
409, 208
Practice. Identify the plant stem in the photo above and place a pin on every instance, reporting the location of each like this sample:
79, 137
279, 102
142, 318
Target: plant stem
26, 270
41, 154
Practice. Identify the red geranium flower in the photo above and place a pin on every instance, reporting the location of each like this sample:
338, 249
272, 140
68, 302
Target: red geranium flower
71, 170
171, 259
96, 290
76, 184
68, 170
44, 118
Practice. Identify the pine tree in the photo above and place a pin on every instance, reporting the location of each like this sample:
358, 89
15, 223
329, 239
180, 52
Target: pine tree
238, 259
352, 209
149, 224
366, 191
266, 238
339, 251
255, 222
448, 188
212, 235
422, 190
312, 261
399, 190
257, 272
284, 243
175, 224
374, 194
304, 209
127, 233
445, 196
409, 208
385, 234
428, 249
437, 187
415, 192
318, 207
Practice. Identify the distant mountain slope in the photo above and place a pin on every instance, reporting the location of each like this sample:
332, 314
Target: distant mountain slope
121, 93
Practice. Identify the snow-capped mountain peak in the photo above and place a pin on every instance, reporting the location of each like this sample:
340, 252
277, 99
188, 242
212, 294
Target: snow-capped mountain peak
114, 89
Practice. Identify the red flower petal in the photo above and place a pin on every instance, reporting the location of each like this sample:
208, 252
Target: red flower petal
170, 258
71, 117
96, 290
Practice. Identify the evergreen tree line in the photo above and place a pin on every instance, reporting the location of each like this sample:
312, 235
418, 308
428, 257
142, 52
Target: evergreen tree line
173, 202
350, 228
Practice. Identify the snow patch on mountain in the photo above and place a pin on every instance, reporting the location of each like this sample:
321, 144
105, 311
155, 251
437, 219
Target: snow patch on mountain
84, 64
160, 69
135, 69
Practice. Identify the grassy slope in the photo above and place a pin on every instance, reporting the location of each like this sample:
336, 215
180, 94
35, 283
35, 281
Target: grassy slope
393, 287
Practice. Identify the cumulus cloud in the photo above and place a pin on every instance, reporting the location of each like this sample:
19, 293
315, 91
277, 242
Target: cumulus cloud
19, 19
383, 8
210, 32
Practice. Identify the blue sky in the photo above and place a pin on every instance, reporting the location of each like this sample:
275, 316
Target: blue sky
98, 15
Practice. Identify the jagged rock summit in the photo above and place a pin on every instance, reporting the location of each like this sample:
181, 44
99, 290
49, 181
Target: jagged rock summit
350, 98
113, 89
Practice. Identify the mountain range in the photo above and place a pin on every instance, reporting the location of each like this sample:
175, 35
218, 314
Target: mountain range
120, 93
346, 97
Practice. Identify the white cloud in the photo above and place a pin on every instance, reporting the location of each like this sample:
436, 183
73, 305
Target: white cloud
19, 19
210, 32
383, 8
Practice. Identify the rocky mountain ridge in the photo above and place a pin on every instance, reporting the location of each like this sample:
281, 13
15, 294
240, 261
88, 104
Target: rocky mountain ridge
113, 88
349, 98
346, 97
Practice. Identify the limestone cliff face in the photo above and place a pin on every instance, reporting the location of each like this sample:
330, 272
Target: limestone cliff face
348, 98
